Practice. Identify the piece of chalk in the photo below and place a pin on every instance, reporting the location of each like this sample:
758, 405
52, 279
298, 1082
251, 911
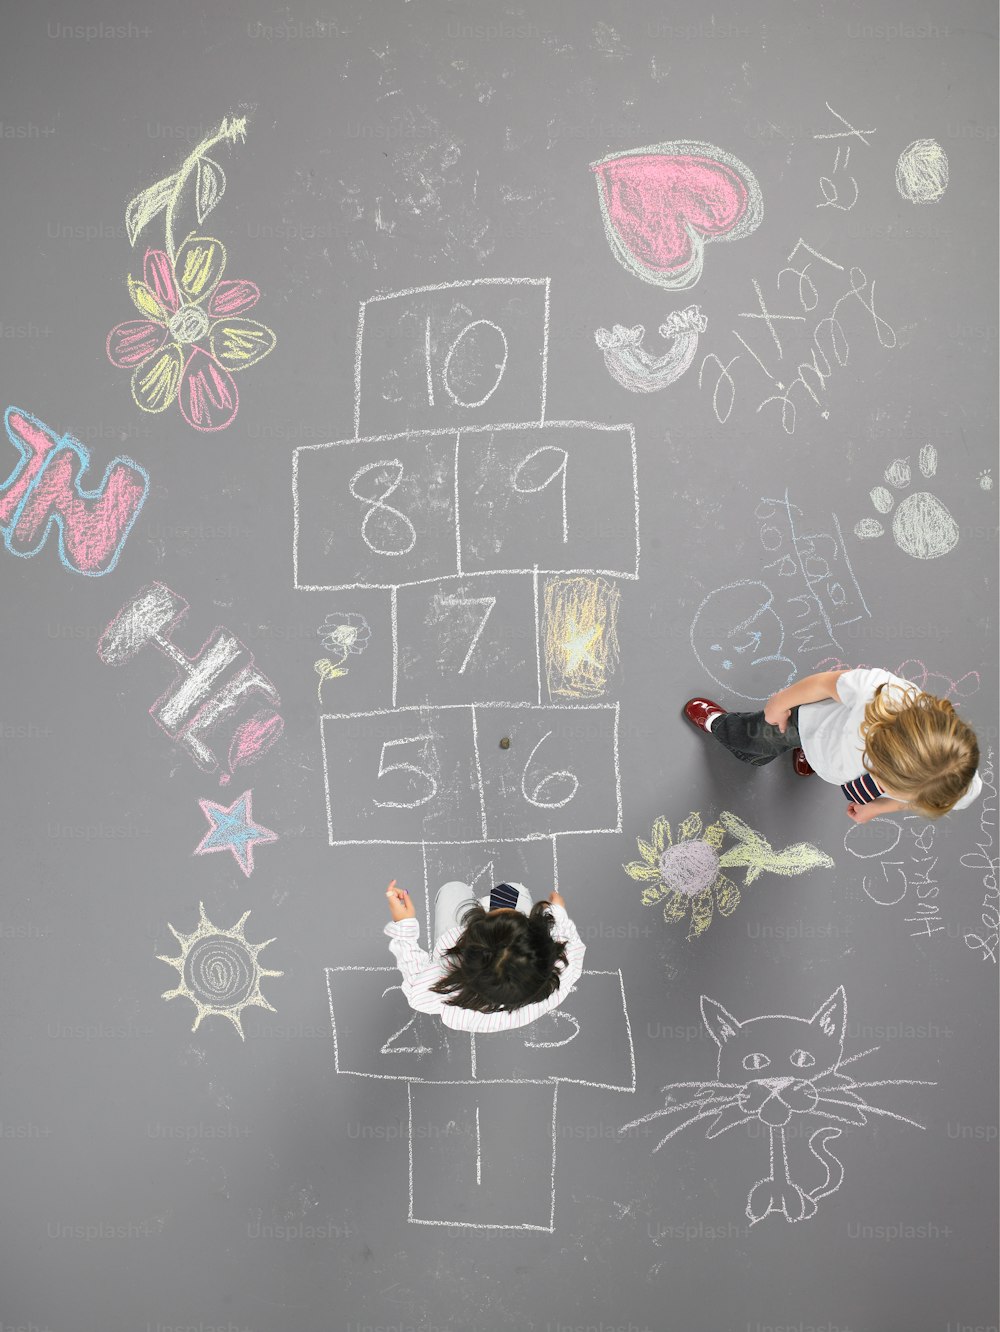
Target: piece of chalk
505, 742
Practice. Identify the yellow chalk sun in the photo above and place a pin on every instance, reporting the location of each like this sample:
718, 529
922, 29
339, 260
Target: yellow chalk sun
219, 971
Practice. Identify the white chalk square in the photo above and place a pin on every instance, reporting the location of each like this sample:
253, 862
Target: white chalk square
560, 498
404, 776
587, 1040
376, 1034
483, 1156
374, 512
560, 774
467, 640
457, 353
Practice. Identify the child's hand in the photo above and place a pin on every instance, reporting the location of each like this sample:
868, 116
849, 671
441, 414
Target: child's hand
776, 715
557, 899
400, 906
862, 813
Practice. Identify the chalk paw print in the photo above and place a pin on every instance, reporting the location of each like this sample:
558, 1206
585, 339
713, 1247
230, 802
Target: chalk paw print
986, 480
921, 525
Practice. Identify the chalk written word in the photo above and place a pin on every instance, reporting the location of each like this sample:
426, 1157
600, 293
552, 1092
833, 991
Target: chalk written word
829, 346
218, 971
660, 205
628, 361
740, 627
983, 861
207, 689
832, 598
915, 868
44, 494
828, 187
772, 1070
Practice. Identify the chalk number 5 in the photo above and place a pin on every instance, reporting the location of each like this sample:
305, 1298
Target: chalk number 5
420, 774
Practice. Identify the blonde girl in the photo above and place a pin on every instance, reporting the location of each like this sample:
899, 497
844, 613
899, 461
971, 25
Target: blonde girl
886, 744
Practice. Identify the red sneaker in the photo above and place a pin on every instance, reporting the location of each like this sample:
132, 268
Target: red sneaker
700, 711
800, 763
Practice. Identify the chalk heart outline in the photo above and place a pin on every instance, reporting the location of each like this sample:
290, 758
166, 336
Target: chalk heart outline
661, 204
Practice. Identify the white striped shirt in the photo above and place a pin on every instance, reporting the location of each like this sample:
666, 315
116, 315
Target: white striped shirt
421, 970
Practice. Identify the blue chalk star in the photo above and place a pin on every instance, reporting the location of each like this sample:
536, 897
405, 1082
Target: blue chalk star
233, 829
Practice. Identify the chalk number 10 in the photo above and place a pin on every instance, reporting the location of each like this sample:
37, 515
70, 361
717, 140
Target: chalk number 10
499, 365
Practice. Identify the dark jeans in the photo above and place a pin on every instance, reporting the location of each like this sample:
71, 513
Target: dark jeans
750, 738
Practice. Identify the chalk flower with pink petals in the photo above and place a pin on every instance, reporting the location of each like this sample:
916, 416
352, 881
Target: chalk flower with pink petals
193, 335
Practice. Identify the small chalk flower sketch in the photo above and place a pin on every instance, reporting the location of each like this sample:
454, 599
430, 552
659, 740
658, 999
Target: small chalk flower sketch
344, 634
193, 336
634, 368
774, 1070
922, 171
921, 525
986, 480
219, 971
687, 877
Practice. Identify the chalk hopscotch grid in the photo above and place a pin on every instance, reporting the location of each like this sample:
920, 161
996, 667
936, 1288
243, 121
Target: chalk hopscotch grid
457, 431
450, 286
614, 708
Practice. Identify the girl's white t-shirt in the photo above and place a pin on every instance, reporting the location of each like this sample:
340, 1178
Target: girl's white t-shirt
830, 731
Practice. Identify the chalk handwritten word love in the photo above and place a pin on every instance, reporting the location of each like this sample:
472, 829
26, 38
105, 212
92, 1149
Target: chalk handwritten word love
44, 493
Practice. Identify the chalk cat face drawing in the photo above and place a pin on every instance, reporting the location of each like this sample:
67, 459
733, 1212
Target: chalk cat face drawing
771, 1069
774, 1063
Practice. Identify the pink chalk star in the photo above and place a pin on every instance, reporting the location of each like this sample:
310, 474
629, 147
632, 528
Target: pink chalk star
233, 829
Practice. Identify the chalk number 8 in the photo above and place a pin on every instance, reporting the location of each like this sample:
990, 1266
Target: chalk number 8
392, 521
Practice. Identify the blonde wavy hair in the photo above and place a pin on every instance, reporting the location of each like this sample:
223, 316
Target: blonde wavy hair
918, 748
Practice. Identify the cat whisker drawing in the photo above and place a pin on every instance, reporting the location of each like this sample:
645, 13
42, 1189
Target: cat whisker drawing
719, 1101
773, 1052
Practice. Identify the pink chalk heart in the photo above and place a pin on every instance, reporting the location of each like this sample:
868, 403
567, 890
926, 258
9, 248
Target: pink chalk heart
660, 205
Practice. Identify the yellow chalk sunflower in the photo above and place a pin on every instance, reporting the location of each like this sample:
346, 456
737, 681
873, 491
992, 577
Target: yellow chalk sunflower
685, 875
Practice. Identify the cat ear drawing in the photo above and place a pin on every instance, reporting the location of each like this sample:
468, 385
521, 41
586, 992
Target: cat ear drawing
722, 1026
831, 1017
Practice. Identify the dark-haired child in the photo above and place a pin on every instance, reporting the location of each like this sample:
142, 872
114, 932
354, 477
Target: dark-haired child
492, 968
